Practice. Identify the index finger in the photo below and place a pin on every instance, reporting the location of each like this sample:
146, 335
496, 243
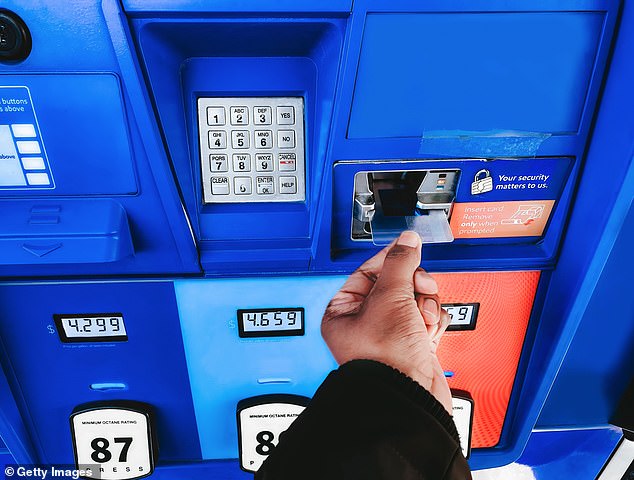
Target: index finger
362, 280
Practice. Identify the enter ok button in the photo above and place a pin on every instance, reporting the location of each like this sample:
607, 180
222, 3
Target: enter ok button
288, 185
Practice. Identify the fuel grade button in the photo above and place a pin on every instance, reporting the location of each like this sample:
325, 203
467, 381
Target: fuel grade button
114, 440
261, 420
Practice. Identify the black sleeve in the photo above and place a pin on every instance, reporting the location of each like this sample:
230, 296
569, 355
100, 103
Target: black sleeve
368, 421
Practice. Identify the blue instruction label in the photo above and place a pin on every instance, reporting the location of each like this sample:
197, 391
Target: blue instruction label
23, 160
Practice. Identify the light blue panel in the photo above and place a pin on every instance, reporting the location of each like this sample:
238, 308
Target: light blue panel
421, 73
224, 368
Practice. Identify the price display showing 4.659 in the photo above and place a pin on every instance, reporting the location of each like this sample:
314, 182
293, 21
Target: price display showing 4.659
114, 443
105, 327
271, 322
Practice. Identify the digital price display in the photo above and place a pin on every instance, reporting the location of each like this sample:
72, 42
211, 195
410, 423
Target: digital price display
270, 322
105, 327
463, 315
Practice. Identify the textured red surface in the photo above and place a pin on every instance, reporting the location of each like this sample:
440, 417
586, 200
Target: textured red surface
484, 360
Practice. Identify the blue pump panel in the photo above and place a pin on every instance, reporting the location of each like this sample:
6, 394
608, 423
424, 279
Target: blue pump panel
515, 107
474, 72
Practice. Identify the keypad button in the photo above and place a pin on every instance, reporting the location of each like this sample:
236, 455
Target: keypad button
264, 162
241, 162
287, 162
219, 185
286, 138
216, 116
239, 116
265, 185
286, 115
262, 115
217, 139
263, 139
240, 138
218, 163
242, 185
288, 185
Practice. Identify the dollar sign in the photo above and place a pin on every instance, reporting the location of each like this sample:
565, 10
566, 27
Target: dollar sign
51, 330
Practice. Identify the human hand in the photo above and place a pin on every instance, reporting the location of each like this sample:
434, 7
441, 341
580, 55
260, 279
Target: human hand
388, 311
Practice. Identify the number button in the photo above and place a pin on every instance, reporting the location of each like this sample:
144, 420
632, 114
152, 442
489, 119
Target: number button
241, 162
263, 139
242, 185
286, 138
240, 139
286, 115
262, 115
239, 116
217, 139
216, 116
264, 162
218, 163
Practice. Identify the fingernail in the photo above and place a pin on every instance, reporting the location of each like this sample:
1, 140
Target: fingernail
430, 307
409, 239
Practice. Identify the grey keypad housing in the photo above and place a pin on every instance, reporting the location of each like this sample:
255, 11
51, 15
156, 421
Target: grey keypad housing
252, 149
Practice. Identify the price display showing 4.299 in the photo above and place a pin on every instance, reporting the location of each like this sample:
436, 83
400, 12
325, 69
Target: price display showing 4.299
270, 322
105, 327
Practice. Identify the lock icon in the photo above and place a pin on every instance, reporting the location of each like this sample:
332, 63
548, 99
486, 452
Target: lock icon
482, 183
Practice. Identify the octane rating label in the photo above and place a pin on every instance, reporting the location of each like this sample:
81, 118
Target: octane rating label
113, 443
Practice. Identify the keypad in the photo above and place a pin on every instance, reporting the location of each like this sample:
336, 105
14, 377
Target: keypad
252, 149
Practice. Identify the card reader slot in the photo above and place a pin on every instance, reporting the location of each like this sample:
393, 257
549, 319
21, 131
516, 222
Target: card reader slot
389, 202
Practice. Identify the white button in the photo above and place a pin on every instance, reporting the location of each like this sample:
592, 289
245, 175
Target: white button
288, 185
220, 186
28, 147
217, 139
241, 162
286, 139
264, 162
285, 115
37, 179
218, 163
240, 138
262, 115
287, 162
242, 185
239, 116
263, 139
33, 163
216, 116
265, 185
23, 130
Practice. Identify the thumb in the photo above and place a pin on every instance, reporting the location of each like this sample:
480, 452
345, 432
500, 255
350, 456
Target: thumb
401, 262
